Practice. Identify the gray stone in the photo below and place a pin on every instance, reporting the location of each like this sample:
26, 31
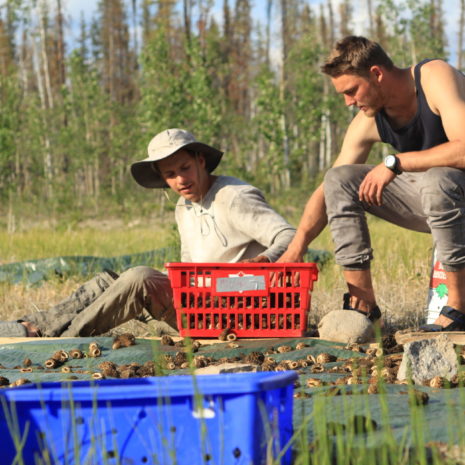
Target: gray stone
346, 326
156, 328
428, 358
160, 328
227, 368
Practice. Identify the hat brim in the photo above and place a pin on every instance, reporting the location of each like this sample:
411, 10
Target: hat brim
146, 175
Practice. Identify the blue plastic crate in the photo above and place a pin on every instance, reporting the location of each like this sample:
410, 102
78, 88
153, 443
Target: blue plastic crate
240, 419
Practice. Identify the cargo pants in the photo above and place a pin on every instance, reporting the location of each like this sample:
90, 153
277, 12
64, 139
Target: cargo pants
431, 202
105, 302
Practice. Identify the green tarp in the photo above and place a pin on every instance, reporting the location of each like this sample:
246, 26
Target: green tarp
34, 272
439, 420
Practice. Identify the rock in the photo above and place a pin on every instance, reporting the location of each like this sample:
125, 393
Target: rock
159, 328
140, 329
346, 326
227, 368
428, 358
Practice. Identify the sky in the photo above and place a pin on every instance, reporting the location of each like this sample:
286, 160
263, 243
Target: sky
451, 10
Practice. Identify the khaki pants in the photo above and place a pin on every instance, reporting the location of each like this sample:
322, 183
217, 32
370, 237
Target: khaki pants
432, 202
105, 302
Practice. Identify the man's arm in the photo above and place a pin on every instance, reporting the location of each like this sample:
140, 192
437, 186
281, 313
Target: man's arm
444, 89
250, 214
279, 244
360, 137
311, 224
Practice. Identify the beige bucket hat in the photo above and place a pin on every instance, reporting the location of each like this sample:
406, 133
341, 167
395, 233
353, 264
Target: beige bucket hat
165, 144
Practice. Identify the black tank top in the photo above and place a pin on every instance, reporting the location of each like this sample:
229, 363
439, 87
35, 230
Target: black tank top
422, 132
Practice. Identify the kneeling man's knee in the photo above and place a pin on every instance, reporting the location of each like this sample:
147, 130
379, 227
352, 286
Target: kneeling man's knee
344, 178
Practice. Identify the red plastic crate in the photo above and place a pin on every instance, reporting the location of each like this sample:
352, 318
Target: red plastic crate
247, 299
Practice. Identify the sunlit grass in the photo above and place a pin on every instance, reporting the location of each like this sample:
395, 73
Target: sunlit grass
108, 242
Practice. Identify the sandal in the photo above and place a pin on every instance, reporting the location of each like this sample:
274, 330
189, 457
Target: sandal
373, 315
458, 321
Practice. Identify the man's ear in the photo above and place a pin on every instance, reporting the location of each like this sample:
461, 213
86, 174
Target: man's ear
201, 159
377, 72
154, 167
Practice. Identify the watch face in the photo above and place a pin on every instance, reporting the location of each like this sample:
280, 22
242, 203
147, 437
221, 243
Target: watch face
390, 161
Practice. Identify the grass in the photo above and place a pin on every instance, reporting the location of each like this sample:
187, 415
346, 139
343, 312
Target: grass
111, 239
400, 269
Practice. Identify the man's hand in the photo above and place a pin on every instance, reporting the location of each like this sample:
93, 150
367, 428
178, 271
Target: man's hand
371, 189
257, 259
291, 256
32, 330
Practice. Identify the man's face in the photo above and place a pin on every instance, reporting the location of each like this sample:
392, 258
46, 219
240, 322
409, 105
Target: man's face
185, 174
363, 93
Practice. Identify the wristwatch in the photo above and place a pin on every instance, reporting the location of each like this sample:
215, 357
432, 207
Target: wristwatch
392, 162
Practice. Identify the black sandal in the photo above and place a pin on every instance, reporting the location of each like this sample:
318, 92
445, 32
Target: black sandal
373, 315
458, 321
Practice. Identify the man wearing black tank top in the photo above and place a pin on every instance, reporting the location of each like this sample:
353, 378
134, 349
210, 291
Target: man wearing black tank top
420, 112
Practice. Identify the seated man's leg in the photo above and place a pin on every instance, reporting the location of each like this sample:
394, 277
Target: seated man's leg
443, 197
137, 288
52, 322
12, 329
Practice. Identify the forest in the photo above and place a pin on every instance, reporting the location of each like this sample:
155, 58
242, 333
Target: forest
76, 110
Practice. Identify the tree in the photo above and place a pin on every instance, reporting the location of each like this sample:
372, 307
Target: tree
460, 35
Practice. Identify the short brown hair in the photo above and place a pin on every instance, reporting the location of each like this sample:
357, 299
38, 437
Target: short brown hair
355, 55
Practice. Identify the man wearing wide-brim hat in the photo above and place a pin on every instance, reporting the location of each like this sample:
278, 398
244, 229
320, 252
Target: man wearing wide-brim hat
219, 218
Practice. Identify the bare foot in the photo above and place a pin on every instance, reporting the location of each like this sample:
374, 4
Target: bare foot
32, 330
443, 321
361, 305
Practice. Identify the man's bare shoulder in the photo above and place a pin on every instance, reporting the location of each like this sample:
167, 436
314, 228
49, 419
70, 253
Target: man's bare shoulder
440, 72
442, 84
436, 65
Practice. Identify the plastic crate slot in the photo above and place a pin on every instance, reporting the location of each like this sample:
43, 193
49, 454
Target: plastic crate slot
236, 320
239, 320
